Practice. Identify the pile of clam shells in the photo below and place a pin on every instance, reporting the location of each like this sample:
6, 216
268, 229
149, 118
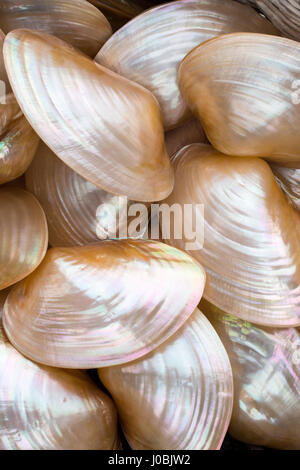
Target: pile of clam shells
108, 104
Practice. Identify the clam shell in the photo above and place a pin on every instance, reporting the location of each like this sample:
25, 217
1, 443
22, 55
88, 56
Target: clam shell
103, 126
42, 408
178, 397
251, 250
24, 235
289, 180
266, 375
75, 21
18, 141
190, 132
243, 88
284, 14
102, 304
148, 49
71, 203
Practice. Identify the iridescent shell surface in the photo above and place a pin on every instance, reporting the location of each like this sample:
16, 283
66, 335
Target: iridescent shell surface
42, 408
24, 235
285, 14
289, 180
149, 48
18, 141
75, 21
102, 304
78, 213
266, 374
103, 126
244, 88
251, 250
180, 396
